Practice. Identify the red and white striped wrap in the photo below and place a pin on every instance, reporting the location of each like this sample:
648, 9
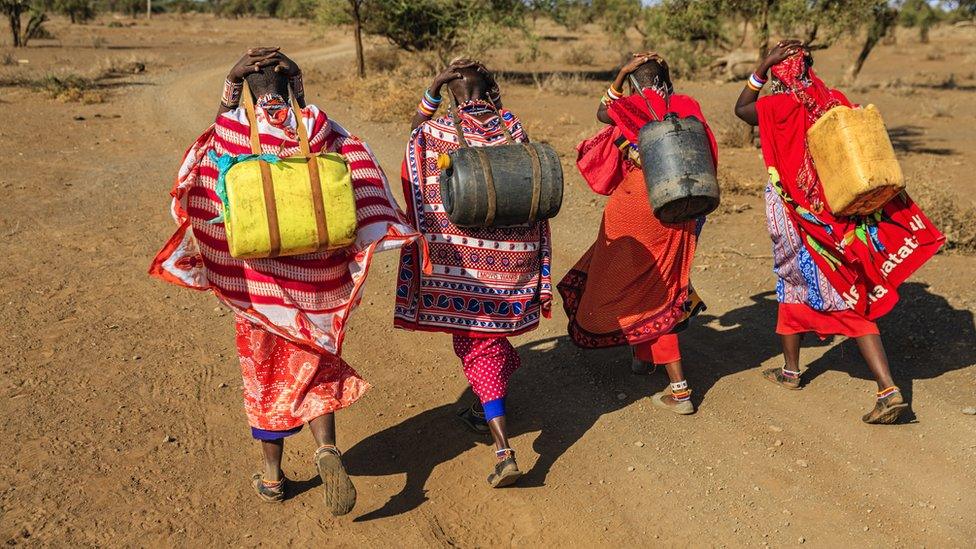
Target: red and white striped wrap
305, 298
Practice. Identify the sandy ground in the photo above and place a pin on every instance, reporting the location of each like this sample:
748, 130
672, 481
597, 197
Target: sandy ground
120, 395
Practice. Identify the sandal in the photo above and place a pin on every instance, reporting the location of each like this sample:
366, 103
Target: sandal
271, 492
506, 471
340, 494
886, 410
662, 401
776, 376
474, 420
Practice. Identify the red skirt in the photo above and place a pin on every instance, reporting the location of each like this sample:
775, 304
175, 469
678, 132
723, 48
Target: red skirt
799, 318
286, 385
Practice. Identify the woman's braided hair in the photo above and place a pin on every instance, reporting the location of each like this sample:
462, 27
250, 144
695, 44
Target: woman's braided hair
494, 94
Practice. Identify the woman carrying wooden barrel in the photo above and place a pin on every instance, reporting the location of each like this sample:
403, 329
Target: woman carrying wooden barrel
483, 284
836, 275
632, 287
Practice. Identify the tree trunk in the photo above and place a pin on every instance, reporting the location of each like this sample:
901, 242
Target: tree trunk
14, 16
357, 22
764, 30
876, 31
148, 9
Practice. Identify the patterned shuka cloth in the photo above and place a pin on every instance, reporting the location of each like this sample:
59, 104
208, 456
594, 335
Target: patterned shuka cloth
861, 259
291, 311
484, 282
835, 274
633, 285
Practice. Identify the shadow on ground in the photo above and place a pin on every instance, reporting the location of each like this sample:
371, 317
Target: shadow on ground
561, 391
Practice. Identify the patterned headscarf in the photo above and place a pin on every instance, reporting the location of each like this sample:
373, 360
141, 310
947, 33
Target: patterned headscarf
795, 75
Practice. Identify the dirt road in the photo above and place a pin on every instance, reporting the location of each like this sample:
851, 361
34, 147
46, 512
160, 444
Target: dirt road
121, 395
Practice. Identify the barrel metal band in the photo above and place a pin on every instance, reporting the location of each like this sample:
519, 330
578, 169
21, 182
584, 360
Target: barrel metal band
536, 181
489, 185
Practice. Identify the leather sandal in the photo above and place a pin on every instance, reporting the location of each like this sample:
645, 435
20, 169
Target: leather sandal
506, 470
474, 420
886, 410
271, 492
338, 490
776, 376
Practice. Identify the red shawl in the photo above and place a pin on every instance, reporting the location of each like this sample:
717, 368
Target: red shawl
863, 258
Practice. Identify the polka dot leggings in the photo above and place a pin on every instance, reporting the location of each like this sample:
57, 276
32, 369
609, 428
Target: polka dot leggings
488, 363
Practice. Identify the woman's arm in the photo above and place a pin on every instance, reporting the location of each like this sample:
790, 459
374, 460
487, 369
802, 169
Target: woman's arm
616, 90
432, 96
745, 106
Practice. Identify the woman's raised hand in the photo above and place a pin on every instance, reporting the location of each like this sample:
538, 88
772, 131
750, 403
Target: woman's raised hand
780, 52
253, 61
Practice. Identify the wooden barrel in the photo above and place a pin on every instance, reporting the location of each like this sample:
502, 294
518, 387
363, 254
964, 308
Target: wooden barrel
502, 186
678, 168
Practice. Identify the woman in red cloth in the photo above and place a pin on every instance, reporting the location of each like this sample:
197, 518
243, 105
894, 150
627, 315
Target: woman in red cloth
290, 311
836, 275
632, 287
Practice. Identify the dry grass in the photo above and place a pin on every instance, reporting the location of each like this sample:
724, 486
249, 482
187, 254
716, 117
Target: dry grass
377, 98
952, 218
8, 60
732, 132
579, 55
565, 84
113, 67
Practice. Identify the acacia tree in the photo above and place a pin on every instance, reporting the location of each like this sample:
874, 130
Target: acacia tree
14, 10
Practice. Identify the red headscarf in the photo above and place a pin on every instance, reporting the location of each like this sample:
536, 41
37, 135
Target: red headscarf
863, 258
599, 158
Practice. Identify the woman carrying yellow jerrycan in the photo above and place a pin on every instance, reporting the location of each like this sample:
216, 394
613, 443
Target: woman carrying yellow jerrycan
838, 269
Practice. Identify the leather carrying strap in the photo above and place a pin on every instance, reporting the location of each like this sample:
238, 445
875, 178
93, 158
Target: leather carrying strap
640, 92
270, 206
311, 162
318, 202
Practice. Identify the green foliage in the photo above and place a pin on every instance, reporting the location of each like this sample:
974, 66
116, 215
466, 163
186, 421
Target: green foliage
918, 14
36, 12
78, 11
447, 27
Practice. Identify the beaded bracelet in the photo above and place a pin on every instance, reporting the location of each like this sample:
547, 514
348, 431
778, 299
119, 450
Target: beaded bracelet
231, 96
755, 82
428, 105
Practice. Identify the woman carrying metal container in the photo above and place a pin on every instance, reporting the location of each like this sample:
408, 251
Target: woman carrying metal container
836, 274
632, 287
481, 284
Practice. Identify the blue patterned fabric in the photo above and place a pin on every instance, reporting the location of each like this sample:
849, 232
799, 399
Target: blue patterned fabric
799, 280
